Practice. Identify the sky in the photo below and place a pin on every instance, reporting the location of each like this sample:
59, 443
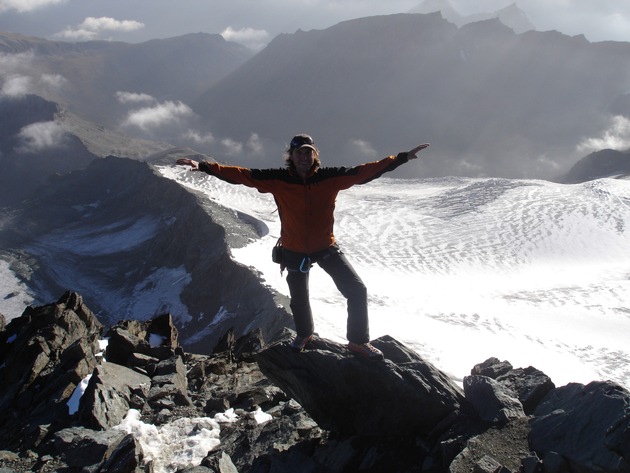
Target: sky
255, 22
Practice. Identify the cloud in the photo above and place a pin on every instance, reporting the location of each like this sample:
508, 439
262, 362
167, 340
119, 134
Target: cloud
53, 81
13, 62
39, 136
23, 6
16, 85
134, 97
199, 138
364, 147
254, 144
92, 27
248, 37
232, 147
164, 113
616, 137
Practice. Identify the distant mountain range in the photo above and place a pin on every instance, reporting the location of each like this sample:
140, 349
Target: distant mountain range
490, 101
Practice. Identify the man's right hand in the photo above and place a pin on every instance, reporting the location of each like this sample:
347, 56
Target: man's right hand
194, 165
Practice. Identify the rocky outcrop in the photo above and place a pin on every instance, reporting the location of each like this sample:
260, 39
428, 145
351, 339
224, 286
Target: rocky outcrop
587, 426
267, 409
44, 355
340, 391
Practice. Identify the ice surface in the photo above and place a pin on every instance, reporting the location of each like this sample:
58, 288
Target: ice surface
14, 295
532, 272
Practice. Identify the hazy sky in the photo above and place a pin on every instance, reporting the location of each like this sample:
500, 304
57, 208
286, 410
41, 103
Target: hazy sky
255, 22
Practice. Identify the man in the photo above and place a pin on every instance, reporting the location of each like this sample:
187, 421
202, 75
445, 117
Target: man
305, 194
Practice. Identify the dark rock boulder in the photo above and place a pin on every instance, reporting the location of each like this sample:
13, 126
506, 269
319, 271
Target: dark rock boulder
492, 368
124, 457
528, 385
169, 384
400, 395
79, 446
44, 355
111, 392
589, 426
156, 338
492, 402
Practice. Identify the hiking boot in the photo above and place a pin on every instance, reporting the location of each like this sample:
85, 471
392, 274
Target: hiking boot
366, 350
299, 343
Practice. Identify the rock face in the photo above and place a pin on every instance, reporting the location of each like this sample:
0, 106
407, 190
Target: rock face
583, 424
322, 410
44, 355
340, 391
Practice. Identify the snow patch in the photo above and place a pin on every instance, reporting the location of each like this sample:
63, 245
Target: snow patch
178, 444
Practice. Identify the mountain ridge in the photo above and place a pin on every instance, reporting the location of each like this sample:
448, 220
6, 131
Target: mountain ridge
510, 15
136, 243
482, 95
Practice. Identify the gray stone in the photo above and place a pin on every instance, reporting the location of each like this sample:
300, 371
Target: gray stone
110, 393
530, 386
124, 457
492, 368
493, 402
81, 447
588, 425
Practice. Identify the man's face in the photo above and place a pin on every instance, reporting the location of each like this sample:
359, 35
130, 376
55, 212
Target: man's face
303, 160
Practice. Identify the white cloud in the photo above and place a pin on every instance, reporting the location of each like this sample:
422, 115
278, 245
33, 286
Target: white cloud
617, 137
16, 85
41, 135
232, 147
248, 37
161, 114
13, 62
254, 144
23, 6
364, 147
92, 27
199, 138
53, 81
134, 97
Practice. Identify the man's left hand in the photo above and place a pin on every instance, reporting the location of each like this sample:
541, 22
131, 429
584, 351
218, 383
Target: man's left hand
412, 154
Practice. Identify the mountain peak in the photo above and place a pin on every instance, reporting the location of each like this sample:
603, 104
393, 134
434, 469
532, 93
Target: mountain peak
511, 15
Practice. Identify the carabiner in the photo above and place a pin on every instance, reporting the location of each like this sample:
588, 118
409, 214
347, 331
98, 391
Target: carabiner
305, 261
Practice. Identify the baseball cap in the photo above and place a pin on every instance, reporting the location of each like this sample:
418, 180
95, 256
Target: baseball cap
302, 141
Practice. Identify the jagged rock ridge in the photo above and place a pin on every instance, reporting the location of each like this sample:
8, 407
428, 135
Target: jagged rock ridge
482, 428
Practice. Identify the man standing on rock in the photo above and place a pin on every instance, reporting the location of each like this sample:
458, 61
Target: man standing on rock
305, 194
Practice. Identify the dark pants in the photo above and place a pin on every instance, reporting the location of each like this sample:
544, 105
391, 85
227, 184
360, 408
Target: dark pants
347, 281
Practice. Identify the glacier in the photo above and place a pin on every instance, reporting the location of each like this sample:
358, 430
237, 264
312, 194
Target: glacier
462, 269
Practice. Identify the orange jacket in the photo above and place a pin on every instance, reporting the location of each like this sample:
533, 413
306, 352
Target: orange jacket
306, 206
